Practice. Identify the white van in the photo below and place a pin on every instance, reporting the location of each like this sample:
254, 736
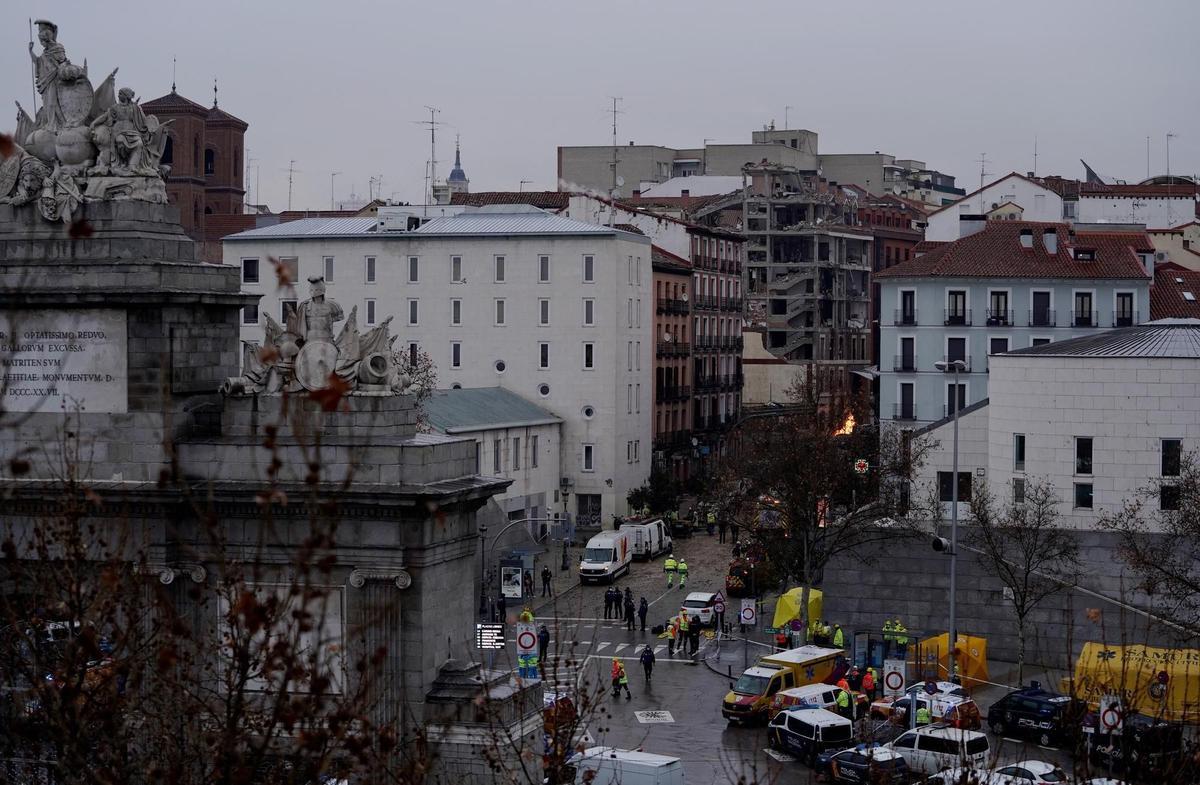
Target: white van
606, 556
611, 766
930, 749
650, 537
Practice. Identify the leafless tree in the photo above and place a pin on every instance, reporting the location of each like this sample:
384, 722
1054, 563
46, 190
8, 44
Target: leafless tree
1025, 547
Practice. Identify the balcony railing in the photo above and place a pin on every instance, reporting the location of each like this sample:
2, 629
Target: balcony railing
731, 304
999, 318
1041, 317
907, 318
674, 392
965, 360
730, 382
1085, 319
904, 362
674, 348
1120, 319
903, 412
707, 302
673, 306
957, 316
672, 440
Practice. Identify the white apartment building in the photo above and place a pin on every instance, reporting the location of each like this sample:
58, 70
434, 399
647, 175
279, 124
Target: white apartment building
1101, 417
556, 310
1036, 201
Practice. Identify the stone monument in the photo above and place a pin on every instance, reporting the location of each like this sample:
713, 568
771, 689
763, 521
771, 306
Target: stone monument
113, 333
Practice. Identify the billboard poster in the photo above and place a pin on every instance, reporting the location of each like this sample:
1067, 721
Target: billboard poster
510, 583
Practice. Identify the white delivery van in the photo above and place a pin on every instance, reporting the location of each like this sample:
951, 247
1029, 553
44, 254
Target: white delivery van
932, 748
650, 537
610, 766
606, 556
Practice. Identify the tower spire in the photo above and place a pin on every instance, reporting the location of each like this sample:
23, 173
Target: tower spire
214, 92
172, 73
457, 153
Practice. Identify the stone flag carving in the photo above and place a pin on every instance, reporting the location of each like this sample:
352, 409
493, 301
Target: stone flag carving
84, 143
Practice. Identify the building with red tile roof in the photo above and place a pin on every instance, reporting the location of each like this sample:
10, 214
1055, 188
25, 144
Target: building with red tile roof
1175, 293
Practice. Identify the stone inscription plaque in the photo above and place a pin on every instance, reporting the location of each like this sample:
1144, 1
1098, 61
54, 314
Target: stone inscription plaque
63, 358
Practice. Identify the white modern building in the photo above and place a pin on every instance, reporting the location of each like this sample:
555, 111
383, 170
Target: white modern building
556, 310
514, 438
1036, 201
1102, 417
1005, 285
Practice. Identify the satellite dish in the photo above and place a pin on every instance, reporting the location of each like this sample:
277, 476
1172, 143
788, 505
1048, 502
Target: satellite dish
620, 181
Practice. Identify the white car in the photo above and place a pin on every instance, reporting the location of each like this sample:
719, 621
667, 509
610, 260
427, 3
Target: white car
701, 603
935, 747
1030, 772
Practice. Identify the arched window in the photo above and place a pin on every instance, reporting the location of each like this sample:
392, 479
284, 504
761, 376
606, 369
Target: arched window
210, 161
168, 156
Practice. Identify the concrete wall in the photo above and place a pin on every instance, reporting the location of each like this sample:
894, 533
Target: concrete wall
1039, 204
590, 168
533, 489
1156, 211
1172, 242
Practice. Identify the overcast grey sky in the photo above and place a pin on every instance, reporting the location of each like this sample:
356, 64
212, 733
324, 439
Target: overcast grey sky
337, 85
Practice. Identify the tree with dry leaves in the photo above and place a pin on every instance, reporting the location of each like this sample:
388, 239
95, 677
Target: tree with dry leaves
1026, 548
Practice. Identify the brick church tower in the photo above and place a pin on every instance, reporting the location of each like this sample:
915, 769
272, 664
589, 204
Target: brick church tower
206, 153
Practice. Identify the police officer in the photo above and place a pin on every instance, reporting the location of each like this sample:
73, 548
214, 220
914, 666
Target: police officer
543, 641
669, 567
843, 704
924, 715
647, 660
839, 637
683, 570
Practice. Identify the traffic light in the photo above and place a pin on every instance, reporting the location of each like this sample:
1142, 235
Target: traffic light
941, 544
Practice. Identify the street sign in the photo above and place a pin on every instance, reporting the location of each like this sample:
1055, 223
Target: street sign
749, 614
893, 677
489, 636
719, 607
1111, 719
720, 597
770, 630
526, 638
861, 466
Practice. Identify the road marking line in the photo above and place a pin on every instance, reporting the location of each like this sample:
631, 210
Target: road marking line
619, 647
658, 648
635, 659
601, 645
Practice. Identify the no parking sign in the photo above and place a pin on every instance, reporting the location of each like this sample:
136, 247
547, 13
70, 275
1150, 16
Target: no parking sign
526, 638
893, 677
749, 614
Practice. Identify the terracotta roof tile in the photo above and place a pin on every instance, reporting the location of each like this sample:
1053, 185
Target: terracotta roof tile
664, 259
1167, 300
996, 252
1178, 191
174, 100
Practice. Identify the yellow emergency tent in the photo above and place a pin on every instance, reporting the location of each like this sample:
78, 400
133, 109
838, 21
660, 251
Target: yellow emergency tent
788, 607
971, 657
1162, 683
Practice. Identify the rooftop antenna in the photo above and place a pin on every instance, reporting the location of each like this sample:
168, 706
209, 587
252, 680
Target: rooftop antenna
615, 184
250, 160
522, 184
786, 109
332, 175
982, 174
1147, 157
292, 172
431, 170
1170, 217
214, 92
1035, 155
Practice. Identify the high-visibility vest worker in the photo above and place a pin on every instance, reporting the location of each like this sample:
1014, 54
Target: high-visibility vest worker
683, 571
889, 630
622, 676
683, 624
839, 638
616, 668
900, 631
669, 567
843, 700
526, 615
924, 715
843, 684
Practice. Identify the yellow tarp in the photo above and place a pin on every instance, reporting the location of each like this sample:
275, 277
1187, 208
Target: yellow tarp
788, 607
971, 657
1133, 674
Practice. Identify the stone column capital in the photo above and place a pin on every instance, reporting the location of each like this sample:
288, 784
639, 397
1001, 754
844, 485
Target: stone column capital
360, 575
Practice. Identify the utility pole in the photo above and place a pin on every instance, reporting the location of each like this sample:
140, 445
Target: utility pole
1170, 217
982, 174
786, 109
331, 176
615, 185
1035, 156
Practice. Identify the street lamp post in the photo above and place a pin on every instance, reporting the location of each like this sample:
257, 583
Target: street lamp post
955, 366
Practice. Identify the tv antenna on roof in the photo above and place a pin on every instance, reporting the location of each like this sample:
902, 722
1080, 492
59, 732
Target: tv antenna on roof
982, 174
292, 171
431, 171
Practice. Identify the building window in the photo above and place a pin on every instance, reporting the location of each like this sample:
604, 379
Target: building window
500, 312
544, 312
516, 456
499, 269
629, 356
1172, 455
1083, 496
1083, 455
456, 269
637, 450
543, 269
1168, 497
946, 490
455, 354
250, 314
956, 307
589, 358
413, 312
1019, 452
629, 452
456, 312
543, 355
637, 399
286, 309
497, 456
1124, 313
589, 312
629, 399
533, 448
589, 463
370, 269
1018, 490
955, 402
371, 311
328, 269
589, 269
249, 271
414, 269
210, 161
1039, 342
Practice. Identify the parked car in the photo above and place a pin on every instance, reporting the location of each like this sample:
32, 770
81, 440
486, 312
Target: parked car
866, 763
816, 696
950, 710
1030, 772
701, 603
1047, 717
935, 747
806, 733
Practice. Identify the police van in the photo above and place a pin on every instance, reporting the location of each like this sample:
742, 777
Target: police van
1047, 717
806, 732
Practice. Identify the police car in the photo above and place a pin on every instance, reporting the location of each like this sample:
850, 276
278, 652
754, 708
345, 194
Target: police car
868, 763
1047, 717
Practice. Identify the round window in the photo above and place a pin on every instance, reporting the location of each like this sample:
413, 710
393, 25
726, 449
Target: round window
500, 366
543, 390
588, 412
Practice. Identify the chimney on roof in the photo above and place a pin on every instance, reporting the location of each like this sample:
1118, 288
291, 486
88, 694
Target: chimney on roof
637, 194
1029, 175
1050, 240
685, 193
970, 224
1026, 238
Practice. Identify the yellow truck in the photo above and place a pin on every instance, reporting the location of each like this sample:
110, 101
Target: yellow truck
750, 696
